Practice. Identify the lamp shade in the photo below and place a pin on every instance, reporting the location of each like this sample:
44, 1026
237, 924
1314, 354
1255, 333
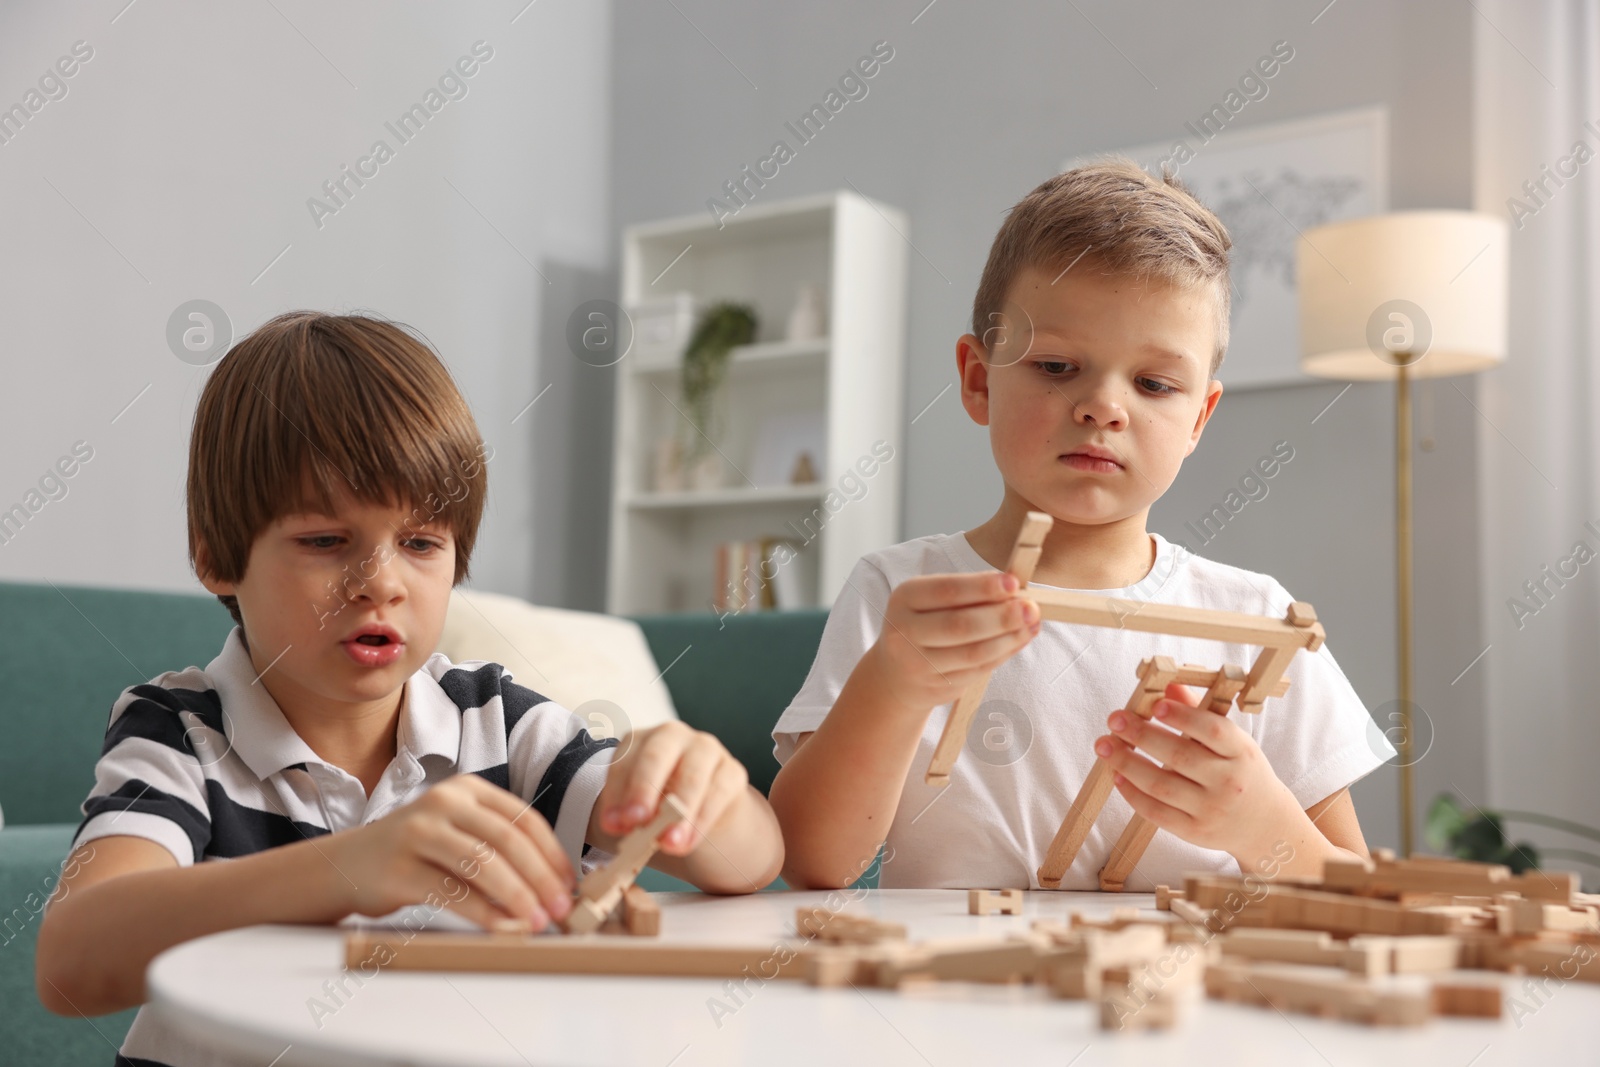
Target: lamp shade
1426, 289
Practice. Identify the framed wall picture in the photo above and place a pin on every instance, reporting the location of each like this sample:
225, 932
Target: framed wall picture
1268, 184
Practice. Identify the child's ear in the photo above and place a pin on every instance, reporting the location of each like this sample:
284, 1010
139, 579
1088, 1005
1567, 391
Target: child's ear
1207, 408
972, 364
205, 572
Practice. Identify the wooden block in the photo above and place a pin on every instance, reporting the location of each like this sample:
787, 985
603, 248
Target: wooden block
987, 901
843, 928
641, 915
1190, 912
1265, 674
964, 960
601, 890
1473, 1000
1229, 627
543, 954
1165, 895
1314, 993
1024, 557
1425, 955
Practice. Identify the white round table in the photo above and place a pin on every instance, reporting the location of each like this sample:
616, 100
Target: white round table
255, 992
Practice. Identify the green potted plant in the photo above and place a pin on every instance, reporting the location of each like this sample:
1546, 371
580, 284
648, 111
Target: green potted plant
1479, 835
722, 328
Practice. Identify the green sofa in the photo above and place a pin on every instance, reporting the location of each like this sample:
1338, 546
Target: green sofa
66, 652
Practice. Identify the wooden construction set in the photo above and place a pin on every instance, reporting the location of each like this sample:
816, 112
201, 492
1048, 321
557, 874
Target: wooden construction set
1330, 947
1279, 639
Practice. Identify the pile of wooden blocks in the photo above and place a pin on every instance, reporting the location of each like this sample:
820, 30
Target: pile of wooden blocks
1369, 942
1388, 917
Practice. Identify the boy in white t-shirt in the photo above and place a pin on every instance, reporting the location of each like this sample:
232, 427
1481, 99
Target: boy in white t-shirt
1098, 326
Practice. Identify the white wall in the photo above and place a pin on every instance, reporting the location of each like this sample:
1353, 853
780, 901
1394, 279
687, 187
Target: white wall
178, 166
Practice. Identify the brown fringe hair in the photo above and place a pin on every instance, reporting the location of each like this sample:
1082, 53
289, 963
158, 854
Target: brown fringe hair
313, 403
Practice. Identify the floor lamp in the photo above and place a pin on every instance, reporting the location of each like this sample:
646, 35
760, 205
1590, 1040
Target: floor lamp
1402, 296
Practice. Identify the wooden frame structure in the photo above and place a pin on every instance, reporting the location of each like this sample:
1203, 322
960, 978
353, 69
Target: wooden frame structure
1279, 640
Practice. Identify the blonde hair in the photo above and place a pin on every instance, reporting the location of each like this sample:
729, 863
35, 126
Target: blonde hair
312, 403
1116, 216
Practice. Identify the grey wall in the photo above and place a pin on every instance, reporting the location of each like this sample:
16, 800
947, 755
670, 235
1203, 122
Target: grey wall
983, 101
178, 166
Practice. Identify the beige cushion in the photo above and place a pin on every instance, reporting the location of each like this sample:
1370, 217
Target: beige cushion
590, 663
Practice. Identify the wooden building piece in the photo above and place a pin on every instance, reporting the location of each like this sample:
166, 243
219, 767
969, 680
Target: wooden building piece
1470, 999
844, 928
641, 915
963, 960
601, 890
406, 950
1002, 901
1384, 876
1024, 557
1165, 895
1311, 992
1229, 627
1154, 675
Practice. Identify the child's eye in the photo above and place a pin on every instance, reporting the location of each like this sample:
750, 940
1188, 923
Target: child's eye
422, 545
319, 541
1158, 388
1052, 367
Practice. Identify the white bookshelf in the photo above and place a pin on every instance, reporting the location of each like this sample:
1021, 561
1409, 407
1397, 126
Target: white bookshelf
662, 548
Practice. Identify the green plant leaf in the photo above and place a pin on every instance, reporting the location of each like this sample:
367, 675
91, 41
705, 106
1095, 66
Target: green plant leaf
1445, 821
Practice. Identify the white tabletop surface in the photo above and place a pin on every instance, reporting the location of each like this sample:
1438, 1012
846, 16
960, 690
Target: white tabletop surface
252, 992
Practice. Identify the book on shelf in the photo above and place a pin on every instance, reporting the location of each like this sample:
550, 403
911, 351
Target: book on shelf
763, 574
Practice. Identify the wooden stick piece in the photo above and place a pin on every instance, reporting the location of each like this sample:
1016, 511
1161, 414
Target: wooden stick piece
1024, 557
601, 890
406, 950
1154, 674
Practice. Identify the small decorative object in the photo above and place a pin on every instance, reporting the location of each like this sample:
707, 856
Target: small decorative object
668, 470
803, 473
705, 364
806, 321
705, 472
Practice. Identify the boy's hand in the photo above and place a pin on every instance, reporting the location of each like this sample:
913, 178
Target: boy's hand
483, 850
1215, 787
671, 758
943, 631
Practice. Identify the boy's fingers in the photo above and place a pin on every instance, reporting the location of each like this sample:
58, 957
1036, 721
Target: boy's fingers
647, 770
1170, 787
938, 592
981, 655
525, 860
970, 625
1217, 732
460, 854
691, 781
525, 819
1174, 751
1165, 816
476, 906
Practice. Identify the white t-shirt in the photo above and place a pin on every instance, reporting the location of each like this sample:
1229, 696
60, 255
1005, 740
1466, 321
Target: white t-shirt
1032, 741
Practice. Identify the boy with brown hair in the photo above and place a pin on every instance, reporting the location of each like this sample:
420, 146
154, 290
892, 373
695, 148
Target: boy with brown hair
1099, 323
336, 482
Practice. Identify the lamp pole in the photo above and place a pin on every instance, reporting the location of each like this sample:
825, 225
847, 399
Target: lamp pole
1403, 566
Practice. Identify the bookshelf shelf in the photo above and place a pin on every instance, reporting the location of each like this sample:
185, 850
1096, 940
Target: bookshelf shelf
840, 395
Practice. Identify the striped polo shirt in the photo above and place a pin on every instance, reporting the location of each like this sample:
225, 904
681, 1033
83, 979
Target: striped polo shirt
203, 763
